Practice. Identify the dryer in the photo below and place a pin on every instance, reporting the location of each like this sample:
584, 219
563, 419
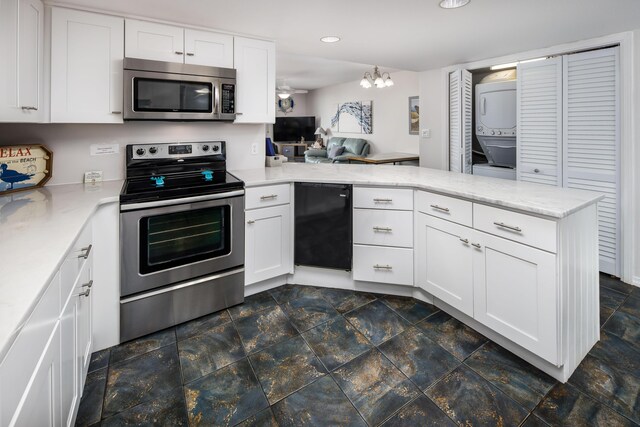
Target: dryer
496, 121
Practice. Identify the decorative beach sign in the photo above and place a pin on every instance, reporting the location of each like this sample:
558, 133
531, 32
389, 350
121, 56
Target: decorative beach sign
354, 117
23, 167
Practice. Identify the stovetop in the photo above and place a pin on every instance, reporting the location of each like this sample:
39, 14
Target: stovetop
176, 170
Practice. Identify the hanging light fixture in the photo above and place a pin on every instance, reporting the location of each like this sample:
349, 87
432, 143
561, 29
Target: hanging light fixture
453, 4
379, 79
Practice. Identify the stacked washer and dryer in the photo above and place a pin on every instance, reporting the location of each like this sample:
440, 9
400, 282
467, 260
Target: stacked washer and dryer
495, 114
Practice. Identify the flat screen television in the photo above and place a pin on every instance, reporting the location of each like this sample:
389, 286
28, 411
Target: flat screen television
290, 129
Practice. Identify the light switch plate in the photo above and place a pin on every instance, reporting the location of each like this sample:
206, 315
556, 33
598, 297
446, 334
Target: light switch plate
426, 133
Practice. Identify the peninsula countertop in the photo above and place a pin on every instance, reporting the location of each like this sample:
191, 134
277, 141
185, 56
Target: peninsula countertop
522, 196
38, 227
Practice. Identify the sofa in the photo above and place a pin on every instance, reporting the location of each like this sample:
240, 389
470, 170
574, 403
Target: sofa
352, 147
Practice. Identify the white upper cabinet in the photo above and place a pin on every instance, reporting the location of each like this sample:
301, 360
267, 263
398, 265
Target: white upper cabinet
21, 33
255, 63
161, 42
206, 48
87, 50
149, 40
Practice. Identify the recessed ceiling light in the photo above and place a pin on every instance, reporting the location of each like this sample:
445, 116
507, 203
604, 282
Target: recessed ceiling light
452, 4
331, 39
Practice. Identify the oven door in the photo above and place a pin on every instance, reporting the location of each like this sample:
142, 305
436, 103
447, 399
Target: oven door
165, 96
164, 245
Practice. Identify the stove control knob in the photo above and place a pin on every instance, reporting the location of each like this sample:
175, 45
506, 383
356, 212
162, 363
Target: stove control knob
499, 133
153, 150
216, 148
205, 148
493, 132
140, 151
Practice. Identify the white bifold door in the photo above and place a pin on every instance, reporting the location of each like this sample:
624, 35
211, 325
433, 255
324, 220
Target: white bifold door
460, 128
569, 133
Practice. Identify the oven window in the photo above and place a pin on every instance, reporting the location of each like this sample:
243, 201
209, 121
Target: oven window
180, 238
155, 95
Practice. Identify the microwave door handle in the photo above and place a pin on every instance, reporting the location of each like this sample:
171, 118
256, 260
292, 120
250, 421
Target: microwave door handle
216, 99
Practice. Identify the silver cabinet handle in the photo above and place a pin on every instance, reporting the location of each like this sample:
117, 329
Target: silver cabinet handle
508, 227
465, 241
382, 267
190, 53
383, 200
177, 52
85, 294
536, 170
27, 108
86, 251
440, 208
269, 197
88, 284
476, 245
238, 114
251, 221
116, 112
385, 229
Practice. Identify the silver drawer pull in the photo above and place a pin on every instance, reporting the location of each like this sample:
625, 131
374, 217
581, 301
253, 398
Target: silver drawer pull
86, 251
177, 52
251, 221
85, 294
440, 208
476, 245
383, 200
28, 108
269, 197
116, 112
190, 53
382, 267
508, 227
238, 114
385, 229
465, 241
88, 285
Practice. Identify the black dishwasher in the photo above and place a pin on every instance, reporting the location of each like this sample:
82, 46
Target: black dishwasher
323, 225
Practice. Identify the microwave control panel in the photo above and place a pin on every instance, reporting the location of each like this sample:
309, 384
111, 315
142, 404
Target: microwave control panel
228, 99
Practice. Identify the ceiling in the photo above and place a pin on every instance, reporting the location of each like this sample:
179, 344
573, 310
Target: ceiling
406, 34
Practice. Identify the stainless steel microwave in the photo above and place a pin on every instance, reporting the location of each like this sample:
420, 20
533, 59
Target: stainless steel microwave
156, 90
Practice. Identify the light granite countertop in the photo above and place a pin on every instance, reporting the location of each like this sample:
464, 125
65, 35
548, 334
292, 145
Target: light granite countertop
38, 227
522, 196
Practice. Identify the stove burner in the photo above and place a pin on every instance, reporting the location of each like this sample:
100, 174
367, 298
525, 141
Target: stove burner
208, 175
159, 180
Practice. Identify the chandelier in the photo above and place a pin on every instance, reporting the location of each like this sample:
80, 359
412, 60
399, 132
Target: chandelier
380, 80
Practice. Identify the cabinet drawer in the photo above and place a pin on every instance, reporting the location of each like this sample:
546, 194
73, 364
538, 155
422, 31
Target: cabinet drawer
383, 198
270, 195
445, 207
384, 228
383, 265
74, 262
527, 229
20, 362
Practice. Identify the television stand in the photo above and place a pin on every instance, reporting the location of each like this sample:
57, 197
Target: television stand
290, 150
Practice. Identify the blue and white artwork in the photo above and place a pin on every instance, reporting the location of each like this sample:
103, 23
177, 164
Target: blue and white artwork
354, 117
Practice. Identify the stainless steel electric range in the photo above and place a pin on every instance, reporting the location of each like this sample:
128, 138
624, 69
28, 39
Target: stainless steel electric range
181, 236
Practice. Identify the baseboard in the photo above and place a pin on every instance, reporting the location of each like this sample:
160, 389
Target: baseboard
636, 281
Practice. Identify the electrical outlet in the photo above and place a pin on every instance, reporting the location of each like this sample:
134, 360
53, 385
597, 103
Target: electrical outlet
254, 148
426, 133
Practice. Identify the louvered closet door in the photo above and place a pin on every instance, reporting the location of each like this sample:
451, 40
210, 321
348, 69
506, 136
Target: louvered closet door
539, 146
591, 140
460, 110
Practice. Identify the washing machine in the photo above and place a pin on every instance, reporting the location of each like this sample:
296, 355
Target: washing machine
485, 169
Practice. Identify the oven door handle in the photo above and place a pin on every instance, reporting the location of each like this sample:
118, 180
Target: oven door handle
173, 202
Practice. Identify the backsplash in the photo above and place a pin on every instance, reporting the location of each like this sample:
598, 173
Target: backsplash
71, 143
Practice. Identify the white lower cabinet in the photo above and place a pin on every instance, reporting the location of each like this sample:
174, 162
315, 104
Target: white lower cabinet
383, 265
445, 261
516, 293
268, 243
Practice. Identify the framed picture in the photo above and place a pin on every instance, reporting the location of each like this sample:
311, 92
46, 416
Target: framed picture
414, 115
354, 117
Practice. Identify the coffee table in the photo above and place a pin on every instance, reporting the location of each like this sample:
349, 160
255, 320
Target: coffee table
382, 158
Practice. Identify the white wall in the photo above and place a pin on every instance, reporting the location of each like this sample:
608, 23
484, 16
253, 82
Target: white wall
390, 111
636, 143
71, 143
432, 108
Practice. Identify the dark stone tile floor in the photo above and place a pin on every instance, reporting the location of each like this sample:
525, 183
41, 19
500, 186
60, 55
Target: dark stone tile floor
299, 355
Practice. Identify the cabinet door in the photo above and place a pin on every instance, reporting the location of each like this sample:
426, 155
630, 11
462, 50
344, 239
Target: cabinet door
445, 261
69, 381
255, 63
40, 405
268, 243
516, 293
21, 29
149, 40
86, 67
206, 48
